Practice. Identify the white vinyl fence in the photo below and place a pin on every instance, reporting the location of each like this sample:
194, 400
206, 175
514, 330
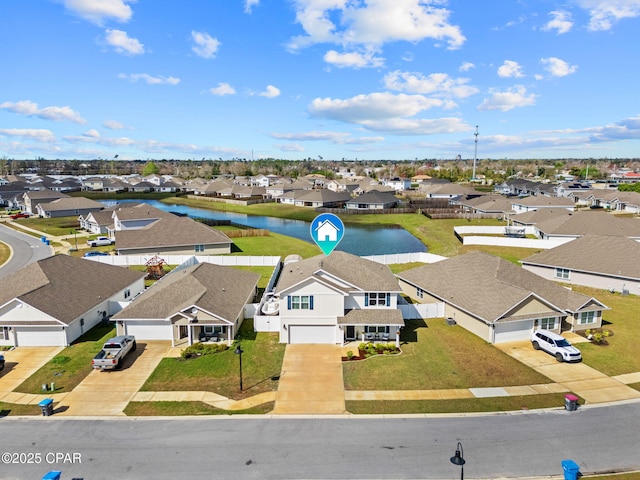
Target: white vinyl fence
245, 261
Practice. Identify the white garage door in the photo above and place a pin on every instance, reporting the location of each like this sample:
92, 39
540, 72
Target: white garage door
40, 337
312, 334
150, 330
512, 331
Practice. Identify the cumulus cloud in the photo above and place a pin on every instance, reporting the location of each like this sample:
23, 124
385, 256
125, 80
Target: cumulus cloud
509, 99
339, 138
510, 69
151, 80
97, 11
123, 43
31, 109
604, 13
37, 134
113, 125
249, 4
93, 133
270, 92
373, 23
561, 22
204, 45
466, 66
222, 89
353, 59
557, 67
414, 126
437, 84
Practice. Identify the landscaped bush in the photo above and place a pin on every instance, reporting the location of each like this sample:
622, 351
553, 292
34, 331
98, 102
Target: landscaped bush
598, 335
199, 349
369, 348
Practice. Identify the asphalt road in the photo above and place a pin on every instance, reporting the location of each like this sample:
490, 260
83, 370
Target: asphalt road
526, 444
26, 249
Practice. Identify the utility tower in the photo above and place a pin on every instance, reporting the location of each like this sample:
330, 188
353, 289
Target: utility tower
475, 155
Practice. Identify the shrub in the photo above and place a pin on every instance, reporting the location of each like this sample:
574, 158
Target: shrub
199, 349
350, 355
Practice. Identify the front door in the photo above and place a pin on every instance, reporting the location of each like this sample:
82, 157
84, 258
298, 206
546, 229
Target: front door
351, 332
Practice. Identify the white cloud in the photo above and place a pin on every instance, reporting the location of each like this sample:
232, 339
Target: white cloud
438, 84
508, 99
205, 45
604, 13
510, 69
37, 134
290, 147
270, 92
466, 66
123, 43
558, 67
373, 23
249, 4
371, 107
93, 133
31, 109
113, 125
411, 126
97, 11
222, 89
151, 80
561, 22
353, 59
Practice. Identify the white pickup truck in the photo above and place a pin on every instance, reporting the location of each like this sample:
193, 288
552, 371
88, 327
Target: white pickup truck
113, 352
100, 242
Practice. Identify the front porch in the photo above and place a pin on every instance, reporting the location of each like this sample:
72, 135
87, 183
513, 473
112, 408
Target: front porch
371, 325
187, 331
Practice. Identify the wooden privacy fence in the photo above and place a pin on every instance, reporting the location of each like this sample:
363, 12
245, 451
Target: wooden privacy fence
251, 232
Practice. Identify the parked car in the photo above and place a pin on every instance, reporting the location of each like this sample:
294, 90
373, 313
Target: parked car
100, 242
95, 253
556, 345
113, 352
19, 215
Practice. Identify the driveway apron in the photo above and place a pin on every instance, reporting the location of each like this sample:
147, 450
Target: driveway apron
109, 392
584, 381
20, 364
311, 381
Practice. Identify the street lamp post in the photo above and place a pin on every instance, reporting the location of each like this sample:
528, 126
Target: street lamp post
239, 352
458, 459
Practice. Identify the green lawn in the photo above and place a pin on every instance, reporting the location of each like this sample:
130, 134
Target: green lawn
172, 409
7, 409
70, 366
5, 253
438, 356
219, 373
53, 226
274, 244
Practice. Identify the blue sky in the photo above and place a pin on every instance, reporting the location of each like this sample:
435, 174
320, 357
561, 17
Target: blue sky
336, 79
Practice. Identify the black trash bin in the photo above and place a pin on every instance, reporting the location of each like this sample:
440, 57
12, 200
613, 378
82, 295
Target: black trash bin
570, 402
1, 362
46, 406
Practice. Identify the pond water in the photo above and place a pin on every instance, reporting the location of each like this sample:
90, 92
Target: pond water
358, 239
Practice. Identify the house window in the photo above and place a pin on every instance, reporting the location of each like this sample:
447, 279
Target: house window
376, 329
419, 293
562, 273
377, 299
586, 318
300, 302
209, 329
4, 333
127, 293
548, 323
198, 248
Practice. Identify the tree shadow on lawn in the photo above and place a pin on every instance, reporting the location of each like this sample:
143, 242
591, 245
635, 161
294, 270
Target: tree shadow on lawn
409, 333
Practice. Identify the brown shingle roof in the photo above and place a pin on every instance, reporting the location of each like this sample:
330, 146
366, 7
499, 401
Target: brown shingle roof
66, 287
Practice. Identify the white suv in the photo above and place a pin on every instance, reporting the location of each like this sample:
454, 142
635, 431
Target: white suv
100, 242
556, 345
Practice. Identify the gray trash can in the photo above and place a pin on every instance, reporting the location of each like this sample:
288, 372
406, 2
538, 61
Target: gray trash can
46, 406
571, 470
570, 402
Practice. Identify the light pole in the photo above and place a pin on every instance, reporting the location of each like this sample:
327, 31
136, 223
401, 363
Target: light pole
239, 352
458, 459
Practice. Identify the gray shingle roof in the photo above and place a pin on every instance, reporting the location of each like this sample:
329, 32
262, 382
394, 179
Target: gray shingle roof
372, 316
66, 287
71, 203
488, 286
611, 255
217, 289
364, 274
595, 222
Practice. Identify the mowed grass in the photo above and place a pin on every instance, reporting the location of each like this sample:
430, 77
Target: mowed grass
438, 356
71, 365
274, 244
620, 356
219, 372
5, 253
7, 409
162, 409
64, 226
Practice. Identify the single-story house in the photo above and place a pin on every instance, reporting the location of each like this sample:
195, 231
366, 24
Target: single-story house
336, 298
191, 304
497, 300
54, 301
31, 199
66, 207
527, 204
373, 200
599, 261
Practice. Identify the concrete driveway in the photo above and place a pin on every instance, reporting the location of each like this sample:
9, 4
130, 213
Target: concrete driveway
109, 392
587, 382
311, 381
20, 364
